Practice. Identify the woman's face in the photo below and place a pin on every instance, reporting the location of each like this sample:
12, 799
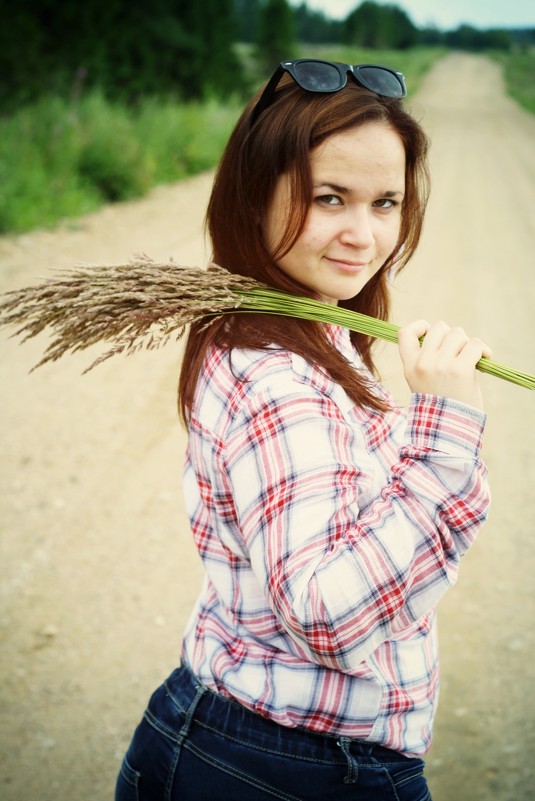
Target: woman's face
353, 222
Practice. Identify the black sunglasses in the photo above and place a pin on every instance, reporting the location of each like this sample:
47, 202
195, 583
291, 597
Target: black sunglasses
315, 75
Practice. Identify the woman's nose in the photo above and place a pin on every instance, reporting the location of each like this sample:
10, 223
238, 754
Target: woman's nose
357, 229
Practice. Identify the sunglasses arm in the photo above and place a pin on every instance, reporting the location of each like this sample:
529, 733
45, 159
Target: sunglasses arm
265, 98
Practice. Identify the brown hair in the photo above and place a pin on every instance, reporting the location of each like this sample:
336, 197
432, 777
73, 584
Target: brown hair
254, 159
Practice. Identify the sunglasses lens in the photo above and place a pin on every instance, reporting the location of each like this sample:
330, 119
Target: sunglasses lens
324, 76
317, 76
381, 81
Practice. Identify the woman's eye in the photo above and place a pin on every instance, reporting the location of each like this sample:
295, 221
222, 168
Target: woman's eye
385, 203
329, 200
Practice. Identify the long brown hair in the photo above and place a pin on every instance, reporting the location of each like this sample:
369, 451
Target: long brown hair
254, 159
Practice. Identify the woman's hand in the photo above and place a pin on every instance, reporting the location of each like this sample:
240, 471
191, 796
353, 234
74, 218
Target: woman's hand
445, 362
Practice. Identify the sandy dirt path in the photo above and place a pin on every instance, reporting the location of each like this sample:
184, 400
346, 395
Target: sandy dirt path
98, 573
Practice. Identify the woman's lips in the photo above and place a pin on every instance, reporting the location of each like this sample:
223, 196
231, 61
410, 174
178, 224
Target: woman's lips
354, 267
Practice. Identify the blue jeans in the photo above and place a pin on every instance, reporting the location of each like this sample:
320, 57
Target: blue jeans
194, 745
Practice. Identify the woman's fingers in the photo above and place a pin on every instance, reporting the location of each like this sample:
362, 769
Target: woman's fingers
448, 341
409, 339
441, 360
473, 350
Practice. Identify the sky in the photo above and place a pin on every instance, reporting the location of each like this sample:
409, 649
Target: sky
444, 14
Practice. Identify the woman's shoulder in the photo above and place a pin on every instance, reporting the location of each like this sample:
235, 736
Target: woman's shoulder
247, 372
247, 381
232, 382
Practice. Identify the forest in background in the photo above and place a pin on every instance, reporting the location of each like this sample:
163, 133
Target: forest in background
102, 100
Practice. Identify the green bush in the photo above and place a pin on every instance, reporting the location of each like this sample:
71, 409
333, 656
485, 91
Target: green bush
60, 159
111, 157
39, 181
181, 140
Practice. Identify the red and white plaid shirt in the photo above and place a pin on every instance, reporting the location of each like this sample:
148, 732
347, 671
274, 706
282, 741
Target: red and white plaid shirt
328, 534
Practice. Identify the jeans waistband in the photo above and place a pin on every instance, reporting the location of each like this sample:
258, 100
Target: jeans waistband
214, 712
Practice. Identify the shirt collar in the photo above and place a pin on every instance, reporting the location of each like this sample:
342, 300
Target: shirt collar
341, 339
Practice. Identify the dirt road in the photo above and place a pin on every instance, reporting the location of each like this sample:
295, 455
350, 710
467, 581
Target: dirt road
98, 571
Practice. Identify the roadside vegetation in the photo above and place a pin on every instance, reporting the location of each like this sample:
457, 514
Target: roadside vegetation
519, 74
60, 159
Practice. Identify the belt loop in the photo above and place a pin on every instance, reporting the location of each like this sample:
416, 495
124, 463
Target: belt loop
184, 731
352, 764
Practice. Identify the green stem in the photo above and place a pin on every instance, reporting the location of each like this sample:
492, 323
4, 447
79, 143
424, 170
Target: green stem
272, 301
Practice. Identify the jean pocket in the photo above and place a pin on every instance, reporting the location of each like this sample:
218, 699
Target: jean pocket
127, 783
409, 781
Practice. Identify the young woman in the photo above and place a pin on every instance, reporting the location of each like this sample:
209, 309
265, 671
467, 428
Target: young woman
330, 522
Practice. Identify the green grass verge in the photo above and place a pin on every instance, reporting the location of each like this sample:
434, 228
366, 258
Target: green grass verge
519, 75
61, 160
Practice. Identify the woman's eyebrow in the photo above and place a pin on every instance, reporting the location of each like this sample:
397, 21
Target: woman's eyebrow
342, 190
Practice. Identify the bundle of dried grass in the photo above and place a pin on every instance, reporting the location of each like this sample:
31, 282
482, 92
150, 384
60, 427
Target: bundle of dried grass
135, 305
143, 303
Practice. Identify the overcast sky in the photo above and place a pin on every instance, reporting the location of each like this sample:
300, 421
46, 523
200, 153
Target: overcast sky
444, 14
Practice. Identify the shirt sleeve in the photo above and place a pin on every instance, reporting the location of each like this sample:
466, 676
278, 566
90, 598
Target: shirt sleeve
347, 566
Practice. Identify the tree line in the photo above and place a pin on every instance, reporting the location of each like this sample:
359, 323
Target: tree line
181, 48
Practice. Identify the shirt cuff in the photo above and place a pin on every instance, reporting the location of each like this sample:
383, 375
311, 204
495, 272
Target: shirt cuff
442, 424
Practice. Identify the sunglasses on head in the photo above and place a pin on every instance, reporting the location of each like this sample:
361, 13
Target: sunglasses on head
315, 75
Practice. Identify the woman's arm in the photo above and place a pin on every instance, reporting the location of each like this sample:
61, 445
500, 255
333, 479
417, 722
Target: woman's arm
347, 566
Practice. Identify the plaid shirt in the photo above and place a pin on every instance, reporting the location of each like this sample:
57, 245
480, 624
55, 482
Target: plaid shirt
328, 534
